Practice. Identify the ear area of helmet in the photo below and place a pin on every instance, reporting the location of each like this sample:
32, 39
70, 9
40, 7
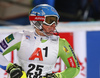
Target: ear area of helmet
57, 22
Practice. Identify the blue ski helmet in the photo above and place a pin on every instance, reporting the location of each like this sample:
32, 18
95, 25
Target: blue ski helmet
38, 14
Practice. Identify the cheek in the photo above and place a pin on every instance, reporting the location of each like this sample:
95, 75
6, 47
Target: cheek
54, 28
46, 29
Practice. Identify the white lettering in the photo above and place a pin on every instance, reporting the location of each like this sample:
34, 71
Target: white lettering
71, 61
37, 18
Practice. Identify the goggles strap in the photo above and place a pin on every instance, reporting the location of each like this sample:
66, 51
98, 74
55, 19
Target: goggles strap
37, 24
36, 18
40, 18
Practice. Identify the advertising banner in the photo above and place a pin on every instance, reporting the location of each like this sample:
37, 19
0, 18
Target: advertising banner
93, 54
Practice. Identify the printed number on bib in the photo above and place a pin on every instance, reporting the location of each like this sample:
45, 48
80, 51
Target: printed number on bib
37, 68
38, 54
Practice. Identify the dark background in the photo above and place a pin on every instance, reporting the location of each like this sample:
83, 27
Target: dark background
69, 10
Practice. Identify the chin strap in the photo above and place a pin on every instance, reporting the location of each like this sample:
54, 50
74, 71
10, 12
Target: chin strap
43, 33
56, 32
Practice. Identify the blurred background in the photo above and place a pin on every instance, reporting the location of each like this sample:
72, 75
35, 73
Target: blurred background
16, 11
79, 24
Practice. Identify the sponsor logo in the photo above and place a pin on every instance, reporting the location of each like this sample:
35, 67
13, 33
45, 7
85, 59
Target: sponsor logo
36, 12
39, 18
65, 49
9, 38
54, 10
43, 13
71, 62
27, 37
34, 37
36, 18
3, 44
74, 56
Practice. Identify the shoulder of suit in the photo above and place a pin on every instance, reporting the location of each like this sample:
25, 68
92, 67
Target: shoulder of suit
27, 32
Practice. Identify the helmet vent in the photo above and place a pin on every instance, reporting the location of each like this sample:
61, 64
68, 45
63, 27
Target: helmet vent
36, 14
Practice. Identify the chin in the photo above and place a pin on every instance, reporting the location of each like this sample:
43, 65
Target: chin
49, 34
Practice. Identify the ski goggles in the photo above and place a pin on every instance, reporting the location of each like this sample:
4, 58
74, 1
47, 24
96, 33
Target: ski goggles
47, 20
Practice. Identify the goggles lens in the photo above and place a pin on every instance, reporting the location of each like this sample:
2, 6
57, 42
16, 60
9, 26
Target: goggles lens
49, 20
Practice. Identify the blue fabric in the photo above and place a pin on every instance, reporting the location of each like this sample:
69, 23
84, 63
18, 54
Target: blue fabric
20, 21
3, 67
50, 2
1, 50
93, 54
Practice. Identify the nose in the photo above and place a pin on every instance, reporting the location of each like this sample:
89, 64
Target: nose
53, 26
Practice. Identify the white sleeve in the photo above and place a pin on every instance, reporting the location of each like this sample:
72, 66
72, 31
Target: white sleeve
6, 44
10, 40
3, 60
